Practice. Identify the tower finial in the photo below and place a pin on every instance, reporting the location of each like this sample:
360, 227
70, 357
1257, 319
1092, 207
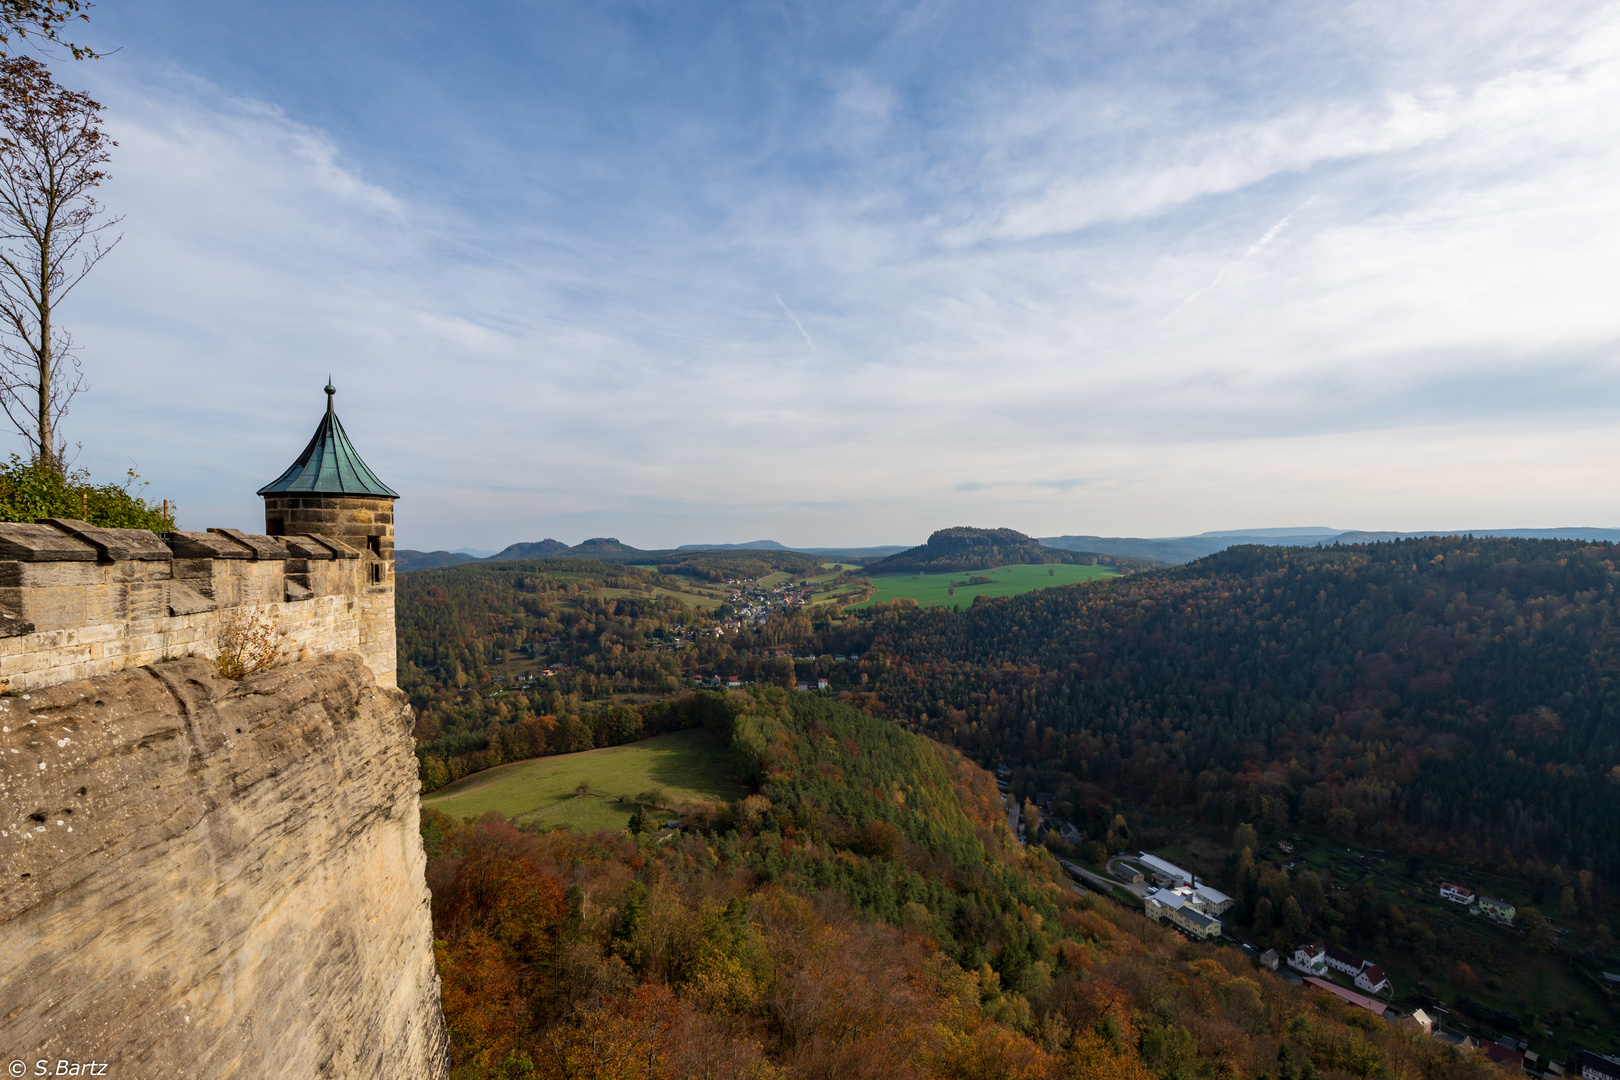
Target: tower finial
330, 390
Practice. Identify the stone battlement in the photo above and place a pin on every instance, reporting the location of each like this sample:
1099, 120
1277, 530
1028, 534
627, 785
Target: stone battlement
78, 602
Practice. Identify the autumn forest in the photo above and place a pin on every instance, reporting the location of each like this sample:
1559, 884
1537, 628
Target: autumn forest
1448, 701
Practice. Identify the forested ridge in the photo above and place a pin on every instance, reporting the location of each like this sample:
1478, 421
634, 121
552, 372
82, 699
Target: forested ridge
1453, 696
866, 913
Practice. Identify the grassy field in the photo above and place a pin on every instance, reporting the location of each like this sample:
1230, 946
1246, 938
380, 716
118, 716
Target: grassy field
694, 598
829, 571
686, 765
933, 590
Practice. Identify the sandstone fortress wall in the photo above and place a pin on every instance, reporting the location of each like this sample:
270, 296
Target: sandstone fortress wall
78, 602
202, 877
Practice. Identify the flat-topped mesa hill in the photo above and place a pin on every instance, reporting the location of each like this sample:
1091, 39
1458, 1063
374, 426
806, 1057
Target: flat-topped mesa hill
201, 875
962, 548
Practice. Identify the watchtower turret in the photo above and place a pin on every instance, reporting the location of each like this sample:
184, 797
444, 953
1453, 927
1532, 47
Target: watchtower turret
329, 490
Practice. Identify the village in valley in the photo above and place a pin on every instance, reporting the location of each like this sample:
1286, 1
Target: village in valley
1171, 895
735, 607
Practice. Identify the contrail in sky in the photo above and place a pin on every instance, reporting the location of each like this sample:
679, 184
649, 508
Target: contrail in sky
1271, 234
796, 322
1254, 249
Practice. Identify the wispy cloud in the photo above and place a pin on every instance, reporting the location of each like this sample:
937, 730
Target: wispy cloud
547, 322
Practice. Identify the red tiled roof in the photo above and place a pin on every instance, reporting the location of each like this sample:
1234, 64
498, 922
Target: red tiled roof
1343, 957
1503, 1054
1370, 1004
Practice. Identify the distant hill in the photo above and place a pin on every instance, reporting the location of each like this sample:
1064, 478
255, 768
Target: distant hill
860, 554
406, 560
843, 554
1573, 532
704, 564
1185, 549
598, 546
752, 545
963, 548
958, 550
535, 549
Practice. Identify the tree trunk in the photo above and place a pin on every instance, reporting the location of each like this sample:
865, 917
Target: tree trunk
47, 437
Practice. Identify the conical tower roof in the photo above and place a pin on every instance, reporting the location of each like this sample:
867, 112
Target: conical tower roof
329, 465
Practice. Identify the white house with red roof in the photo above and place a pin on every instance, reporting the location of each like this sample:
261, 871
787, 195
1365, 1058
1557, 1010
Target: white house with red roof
1367, 975
1457, 894
1372, 979
1311, 959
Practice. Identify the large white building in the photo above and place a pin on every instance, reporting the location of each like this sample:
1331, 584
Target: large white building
1165, 873
1211, 900
1183, 907
1214, 901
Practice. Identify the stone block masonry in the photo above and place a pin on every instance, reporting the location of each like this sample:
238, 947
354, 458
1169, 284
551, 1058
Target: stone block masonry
364, 524
79, 602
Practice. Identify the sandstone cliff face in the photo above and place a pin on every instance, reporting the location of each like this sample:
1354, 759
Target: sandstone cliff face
201, 878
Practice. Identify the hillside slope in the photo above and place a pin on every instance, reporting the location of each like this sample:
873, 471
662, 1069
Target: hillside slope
865, 914
1456, 697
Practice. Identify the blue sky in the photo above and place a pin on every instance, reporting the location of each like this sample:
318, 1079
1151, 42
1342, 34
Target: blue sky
846, 273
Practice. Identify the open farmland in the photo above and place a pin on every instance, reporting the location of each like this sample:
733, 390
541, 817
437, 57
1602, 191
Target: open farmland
687, 766
705, 599
933, 590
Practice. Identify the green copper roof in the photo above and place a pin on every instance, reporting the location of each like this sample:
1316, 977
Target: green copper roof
329, 465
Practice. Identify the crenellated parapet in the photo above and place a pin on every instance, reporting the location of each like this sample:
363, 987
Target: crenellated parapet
78, 601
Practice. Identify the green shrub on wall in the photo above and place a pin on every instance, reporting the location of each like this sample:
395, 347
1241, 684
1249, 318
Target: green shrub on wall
30, 490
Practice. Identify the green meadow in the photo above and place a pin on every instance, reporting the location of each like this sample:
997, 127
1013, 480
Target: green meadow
687, 766
695, 598
932, 590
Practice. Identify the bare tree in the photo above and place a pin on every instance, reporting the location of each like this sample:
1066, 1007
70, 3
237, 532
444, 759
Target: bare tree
52, 150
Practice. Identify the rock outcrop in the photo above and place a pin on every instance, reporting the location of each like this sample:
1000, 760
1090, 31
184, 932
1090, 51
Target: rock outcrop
205, 878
